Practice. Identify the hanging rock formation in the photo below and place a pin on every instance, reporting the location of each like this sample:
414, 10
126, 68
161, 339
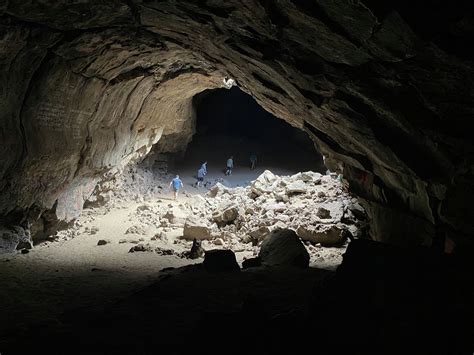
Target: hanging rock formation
384, 90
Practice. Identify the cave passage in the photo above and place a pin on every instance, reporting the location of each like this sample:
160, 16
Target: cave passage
231, 123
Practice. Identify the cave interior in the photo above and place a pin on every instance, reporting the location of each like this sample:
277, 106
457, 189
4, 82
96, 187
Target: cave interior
383, 90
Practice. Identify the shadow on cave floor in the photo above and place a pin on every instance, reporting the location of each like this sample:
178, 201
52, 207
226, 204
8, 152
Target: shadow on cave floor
373, 304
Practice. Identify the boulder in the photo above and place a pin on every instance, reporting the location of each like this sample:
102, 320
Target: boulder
259, 233
226, 216
218, 260
296, 187
323, 213
283, 247
328, 236
14, 238
102, 242
264, 183
195, 228
308, 176
357, 210
216, 190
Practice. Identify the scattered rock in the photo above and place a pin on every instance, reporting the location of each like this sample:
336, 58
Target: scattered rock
140, 247
328, 236
220, 261
102, 242
218, 241
260, 233
283, 247
226, 216
297, 187
195, 228
323, 213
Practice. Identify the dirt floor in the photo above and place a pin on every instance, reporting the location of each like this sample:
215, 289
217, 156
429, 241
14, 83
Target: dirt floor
72, 270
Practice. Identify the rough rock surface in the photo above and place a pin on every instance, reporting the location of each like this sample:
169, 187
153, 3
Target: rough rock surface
220, 261
87, 87
283, 247
195, 229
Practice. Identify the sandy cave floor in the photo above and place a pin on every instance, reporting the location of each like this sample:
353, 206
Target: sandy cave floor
73, 271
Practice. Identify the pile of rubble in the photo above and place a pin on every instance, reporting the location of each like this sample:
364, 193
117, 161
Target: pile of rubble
315, 206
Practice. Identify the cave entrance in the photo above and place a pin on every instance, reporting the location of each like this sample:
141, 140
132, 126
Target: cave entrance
232, 123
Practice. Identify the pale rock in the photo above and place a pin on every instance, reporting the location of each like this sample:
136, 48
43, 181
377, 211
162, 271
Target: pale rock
296, 187
326, 235
195, 228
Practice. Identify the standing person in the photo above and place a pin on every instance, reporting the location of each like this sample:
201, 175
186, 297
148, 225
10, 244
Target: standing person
200, 176
230, 165
204, 166
253, 161
176, 183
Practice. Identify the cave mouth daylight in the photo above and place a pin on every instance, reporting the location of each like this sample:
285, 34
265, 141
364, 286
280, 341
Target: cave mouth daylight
231, 123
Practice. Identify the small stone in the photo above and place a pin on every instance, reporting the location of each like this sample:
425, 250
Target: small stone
102, 242
218, 241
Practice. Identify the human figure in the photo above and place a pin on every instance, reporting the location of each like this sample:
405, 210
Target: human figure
204, 166
176, 183
253, 161
200, 176
230, 165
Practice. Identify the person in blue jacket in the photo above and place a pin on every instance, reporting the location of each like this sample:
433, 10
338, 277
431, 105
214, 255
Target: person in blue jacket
176, 183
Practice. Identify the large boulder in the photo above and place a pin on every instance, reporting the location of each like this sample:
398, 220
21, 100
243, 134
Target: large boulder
14, 238
328, 236
283, 247
218, 260
225, 216
296, 187
265, 183
195, 228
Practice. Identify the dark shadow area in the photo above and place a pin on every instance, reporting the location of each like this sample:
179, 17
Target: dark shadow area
231, 123
382, 300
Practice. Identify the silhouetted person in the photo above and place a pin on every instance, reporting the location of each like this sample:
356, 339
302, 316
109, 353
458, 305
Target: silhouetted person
253, 161
230, 165
176, 183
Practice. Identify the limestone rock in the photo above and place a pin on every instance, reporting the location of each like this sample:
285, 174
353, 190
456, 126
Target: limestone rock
14, 238
196, 229
228, 215
326, 235
259, 233
283, 247
296, 187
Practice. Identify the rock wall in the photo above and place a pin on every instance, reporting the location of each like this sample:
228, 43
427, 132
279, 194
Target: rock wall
386, 91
